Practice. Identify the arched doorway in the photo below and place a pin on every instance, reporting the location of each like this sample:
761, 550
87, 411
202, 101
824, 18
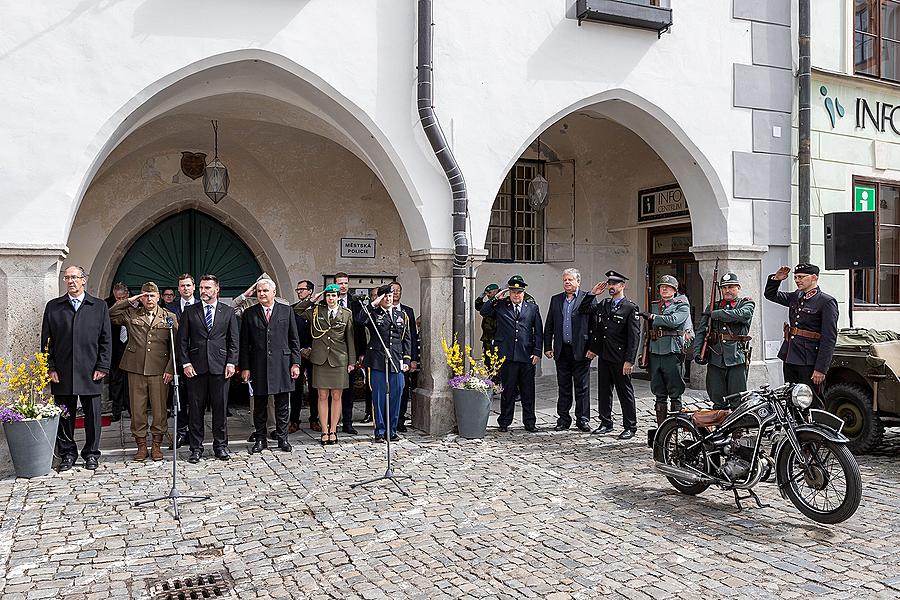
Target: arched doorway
189, 242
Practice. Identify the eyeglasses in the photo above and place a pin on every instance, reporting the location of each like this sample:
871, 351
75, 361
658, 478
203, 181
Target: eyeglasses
72, 277
302, 290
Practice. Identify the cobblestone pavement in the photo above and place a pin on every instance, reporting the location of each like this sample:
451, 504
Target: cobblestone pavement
548, 515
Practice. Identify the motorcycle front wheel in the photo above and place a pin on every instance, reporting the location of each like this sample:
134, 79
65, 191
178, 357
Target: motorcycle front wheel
829, 489
678, 444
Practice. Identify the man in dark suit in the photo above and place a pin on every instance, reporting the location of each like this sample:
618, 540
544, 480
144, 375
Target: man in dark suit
117, 378
565, 341
270, 361
208, 352
615, 336
411, 376
177, 305
519, 340
304, 289
345, 301
76, 336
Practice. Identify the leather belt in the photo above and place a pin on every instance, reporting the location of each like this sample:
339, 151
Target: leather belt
796, 331
659, 332
728, 337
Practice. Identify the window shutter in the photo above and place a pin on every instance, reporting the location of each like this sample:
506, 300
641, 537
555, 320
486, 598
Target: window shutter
559, 215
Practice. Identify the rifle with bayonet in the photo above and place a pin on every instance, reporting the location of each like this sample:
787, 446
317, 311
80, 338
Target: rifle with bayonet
644, 359
709, 337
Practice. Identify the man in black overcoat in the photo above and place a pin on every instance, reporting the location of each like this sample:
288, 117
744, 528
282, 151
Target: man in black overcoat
208, 353
76, 336
270, 361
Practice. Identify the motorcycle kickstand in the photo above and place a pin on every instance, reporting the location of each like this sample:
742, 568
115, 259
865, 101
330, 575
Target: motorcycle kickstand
750, 495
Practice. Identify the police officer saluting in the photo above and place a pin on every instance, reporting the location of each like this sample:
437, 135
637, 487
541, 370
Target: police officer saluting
615, 334
722, 342
667, 318
811, 335
519, 338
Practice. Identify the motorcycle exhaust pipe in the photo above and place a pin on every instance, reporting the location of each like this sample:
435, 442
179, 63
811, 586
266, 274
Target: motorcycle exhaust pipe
683, 474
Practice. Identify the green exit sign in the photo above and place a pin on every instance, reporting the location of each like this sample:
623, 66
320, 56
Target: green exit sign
863, 199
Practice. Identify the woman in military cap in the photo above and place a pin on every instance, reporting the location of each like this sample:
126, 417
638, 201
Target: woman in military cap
331, 327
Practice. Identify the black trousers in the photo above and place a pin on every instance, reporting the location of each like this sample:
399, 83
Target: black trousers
65, 437
609, 375
118, 390
184, 418
412, 380
518, 381
303, 389
261, 413
803, 374
724, 381
572, 373
203, 389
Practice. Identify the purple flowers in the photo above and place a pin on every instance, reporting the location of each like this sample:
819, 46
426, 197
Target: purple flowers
8, 415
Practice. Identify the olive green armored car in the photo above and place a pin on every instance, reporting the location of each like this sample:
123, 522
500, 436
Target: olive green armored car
863, 385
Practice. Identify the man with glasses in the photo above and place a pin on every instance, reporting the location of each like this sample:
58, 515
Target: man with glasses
811, 334
76, 337
304, 290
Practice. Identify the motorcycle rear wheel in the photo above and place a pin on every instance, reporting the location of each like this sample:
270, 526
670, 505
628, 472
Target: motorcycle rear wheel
830, 490
676, 444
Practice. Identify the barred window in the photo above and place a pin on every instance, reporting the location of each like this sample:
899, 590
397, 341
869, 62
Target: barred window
516, 231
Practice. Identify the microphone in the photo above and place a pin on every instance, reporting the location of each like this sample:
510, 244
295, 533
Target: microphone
170, 323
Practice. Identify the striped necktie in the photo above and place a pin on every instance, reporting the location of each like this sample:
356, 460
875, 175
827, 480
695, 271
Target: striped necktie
209, 317
75, 303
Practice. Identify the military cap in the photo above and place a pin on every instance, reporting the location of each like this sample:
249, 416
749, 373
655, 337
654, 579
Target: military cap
668, 280
729, 279
150, 287
806, 269
332, 288
491, 286
516, 283
614, 277
384, 289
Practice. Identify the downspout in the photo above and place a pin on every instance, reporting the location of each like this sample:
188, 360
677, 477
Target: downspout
428, 118
803, 151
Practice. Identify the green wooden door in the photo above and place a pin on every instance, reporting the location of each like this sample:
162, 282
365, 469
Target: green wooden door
189, 242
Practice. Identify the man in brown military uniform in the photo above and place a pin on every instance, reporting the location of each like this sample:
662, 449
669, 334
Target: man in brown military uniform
147, 360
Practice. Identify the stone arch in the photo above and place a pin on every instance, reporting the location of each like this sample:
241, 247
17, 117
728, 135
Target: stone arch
254, 71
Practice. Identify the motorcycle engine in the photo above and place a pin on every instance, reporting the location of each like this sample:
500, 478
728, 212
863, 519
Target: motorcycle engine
738, 459
736, 468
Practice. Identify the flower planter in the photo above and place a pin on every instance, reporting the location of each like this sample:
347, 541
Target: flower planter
31, 443
473, 407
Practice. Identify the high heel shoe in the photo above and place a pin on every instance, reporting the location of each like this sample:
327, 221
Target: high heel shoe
324, 439
334, 441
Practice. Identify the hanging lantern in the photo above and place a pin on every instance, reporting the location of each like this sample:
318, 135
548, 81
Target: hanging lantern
215, 175
538, 187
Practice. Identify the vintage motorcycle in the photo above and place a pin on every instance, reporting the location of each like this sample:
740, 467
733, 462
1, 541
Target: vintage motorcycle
807, 453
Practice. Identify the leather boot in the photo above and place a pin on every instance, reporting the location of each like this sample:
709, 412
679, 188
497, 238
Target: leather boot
155, 450
661, 413
141, 454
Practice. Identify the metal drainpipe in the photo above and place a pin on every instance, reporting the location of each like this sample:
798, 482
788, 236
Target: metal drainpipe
428, 118
803, 151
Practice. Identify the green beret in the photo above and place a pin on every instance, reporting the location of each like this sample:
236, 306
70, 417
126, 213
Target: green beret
332, 288
491, 286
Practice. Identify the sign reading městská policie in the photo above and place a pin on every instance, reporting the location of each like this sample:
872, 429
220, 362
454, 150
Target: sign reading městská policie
357, 247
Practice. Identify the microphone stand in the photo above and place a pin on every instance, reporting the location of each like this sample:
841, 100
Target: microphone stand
173, 494
389, 474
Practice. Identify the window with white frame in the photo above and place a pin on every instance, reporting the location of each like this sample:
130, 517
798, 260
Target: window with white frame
880, 287
516, 231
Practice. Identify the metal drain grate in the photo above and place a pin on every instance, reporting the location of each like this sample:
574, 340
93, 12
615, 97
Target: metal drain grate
195, 587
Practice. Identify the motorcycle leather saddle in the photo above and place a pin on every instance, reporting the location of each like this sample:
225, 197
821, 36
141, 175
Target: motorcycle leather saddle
709, 418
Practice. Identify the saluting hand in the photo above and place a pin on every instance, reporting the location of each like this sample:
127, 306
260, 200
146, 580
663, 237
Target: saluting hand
502, 294
250, 291
317, 296
598, 289
782, 273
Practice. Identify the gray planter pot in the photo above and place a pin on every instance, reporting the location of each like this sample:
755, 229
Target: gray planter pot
472, 411
31, 445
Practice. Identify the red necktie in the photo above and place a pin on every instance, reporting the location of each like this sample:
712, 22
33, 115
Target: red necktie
268, 314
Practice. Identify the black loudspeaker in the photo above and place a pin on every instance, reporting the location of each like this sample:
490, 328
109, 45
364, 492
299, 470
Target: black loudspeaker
849, 240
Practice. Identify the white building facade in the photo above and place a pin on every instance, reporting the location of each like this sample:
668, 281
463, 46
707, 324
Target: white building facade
664, 149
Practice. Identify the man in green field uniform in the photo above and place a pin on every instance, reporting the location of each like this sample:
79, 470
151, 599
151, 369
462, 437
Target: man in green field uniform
727, 351
666, 322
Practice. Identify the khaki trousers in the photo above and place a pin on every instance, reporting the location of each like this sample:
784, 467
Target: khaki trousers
141, 390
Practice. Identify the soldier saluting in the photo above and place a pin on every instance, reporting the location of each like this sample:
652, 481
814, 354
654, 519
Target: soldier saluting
667, 318
811, 334
725, 333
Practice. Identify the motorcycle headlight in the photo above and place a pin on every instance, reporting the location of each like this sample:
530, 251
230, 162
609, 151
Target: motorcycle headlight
802, 395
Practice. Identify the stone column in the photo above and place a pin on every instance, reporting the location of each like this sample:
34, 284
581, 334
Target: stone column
746, 262
432, 409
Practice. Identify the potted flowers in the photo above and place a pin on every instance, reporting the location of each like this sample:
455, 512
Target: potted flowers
30, 417
472, 387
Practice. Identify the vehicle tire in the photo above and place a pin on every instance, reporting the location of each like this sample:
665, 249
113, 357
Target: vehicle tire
674, 445
797, 483
853, 404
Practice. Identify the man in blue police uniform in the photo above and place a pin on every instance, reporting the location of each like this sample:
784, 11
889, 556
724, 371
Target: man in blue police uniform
727, 352
615, 334
519, 339
393, 324
811, 334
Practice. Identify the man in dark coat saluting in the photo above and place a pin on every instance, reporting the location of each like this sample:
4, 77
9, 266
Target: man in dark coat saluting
76, 336
270, 361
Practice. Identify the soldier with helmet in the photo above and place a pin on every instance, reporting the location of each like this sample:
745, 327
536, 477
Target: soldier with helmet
665, 329
725, 336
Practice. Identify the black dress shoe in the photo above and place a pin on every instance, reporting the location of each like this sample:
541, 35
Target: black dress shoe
194, 458
395, 437
379, 439
284, 445
502, 428
602, 429
91, 463
65, 463
222, 453
273, 435
627, 434
349, 430
560, 427
584, 427
259, 446
181, 440
531, 428
401, 428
